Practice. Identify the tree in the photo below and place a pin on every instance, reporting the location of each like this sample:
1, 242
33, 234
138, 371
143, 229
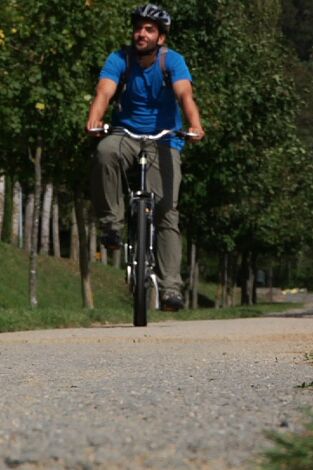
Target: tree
33, 298
232, 180
50, 67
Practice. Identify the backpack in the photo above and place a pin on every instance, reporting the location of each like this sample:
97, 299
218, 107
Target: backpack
121, 87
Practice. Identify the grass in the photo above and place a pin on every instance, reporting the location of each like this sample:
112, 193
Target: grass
292, 450
223, 313
59, 293
59, 296
306, 385
309, 357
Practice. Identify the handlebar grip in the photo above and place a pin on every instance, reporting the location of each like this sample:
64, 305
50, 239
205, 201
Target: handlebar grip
96, 129
186, 134
103, 130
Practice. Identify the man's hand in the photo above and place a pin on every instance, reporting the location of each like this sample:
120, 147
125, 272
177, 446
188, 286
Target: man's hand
199, 134
94, 124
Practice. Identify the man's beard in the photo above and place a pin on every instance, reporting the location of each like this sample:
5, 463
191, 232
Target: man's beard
150, 51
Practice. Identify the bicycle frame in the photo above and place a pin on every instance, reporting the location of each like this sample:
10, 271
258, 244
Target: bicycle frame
134, 198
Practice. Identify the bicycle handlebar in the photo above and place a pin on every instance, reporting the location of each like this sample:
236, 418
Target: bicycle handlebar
106, 129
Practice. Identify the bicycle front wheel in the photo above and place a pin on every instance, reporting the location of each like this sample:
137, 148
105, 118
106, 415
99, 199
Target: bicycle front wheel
141, 281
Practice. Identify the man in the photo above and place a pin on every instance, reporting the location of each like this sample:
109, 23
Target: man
146, 105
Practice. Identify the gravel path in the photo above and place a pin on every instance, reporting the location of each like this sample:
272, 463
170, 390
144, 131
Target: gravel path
176, 395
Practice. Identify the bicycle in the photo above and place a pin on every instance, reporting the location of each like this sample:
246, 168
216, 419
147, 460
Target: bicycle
139, 248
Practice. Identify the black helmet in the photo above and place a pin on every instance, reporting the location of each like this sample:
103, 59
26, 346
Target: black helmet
154, 13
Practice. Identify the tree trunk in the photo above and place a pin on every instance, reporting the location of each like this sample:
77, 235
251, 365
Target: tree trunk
231, 278
117, 258
219, 291
225, 296
35, 226
84, 263
45, 220
6, 234
244, 278
218, 296
254, 277
55, 227
221, 295
248, 278
2, 195
194, 277
195, 285
225, 279
103, 254
270, 282
17, 216
191, 294
93, 241
250, 282
74, 238
29, 213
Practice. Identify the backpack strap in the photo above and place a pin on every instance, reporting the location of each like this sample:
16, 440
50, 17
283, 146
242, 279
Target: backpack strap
121, 87
162, 61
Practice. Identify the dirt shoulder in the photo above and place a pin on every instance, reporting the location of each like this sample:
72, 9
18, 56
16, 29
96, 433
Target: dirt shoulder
293, 329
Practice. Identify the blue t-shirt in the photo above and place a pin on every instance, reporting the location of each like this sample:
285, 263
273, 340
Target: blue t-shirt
147, 104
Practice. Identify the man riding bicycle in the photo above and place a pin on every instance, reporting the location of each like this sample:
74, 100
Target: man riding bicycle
153, 83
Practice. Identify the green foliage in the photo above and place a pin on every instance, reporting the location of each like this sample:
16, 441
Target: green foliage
291, 451
248, 182
50, 58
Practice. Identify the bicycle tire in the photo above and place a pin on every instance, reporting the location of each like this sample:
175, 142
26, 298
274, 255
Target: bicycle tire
141, 282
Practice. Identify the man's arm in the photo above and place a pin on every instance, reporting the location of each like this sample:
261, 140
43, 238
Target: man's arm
106, 89
183, 92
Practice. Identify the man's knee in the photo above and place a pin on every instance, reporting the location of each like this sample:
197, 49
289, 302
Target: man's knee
168, 220
107, 153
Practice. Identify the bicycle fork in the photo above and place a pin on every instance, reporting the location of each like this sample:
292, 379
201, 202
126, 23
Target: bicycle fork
129, 248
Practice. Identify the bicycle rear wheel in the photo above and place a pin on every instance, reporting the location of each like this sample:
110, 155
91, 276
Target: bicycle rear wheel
141, 281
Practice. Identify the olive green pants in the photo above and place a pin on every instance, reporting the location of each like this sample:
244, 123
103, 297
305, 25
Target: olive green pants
163, 179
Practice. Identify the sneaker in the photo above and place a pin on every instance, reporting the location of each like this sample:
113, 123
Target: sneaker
171, 301
111, 240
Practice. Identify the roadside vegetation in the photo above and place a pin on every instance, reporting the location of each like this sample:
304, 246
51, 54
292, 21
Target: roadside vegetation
60, 303
291, 450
